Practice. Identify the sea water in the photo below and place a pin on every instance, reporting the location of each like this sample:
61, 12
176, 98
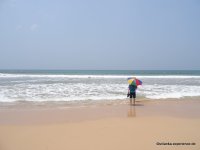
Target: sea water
83, 85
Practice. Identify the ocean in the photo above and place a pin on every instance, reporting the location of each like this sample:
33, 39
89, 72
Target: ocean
83, 85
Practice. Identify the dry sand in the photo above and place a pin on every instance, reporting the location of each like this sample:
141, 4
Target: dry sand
150, 125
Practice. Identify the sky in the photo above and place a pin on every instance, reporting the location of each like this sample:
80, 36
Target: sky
100, 34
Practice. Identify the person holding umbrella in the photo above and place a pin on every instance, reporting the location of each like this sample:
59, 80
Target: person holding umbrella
132, 93
133, 83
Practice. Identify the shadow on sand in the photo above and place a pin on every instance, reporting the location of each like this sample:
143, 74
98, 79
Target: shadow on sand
133, 105
132, 110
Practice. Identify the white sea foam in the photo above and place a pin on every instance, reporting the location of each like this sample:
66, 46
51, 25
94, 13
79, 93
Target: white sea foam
169, 91
3, 75
71, 92
41, 87
61, 92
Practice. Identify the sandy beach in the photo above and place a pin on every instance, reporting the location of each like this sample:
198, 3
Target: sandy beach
114, 125
69, 68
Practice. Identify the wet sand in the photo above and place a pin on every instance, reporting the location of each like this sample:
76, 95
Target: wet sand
111, 125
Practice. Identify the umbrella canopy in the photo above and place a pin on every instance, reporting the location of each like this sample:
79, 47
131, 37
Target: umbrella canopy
134, 81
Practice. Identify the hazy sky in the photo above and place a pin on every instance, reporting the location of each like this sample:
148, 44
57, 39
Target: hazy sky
99, 34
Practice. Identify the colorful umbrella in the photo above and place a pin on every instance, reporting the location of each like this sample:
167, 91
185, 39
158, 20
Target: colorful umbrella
134, 81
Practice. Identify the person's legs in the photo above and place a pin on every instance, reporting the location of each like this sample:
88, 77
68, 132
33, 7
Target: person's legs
131, 97
134, 96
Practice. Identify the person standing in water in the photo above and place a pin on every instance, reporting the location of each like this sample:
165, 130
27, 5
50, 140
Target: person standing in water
132, 93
